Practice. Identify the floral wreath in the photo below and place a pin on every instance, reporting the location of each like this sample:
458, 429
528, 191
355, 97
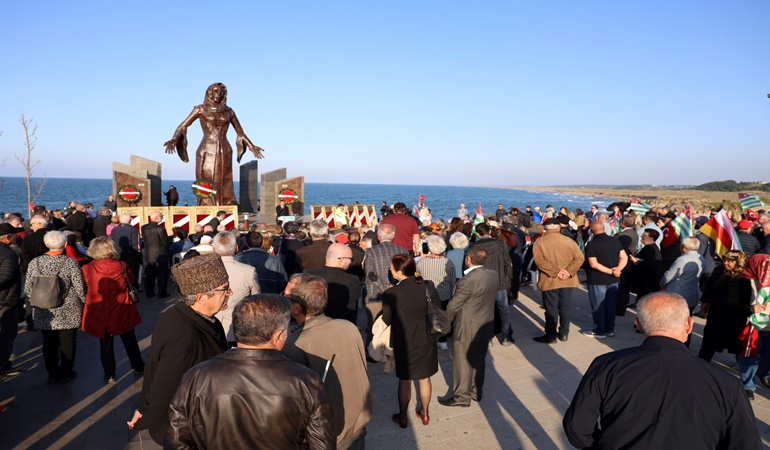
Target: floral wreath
204, 189
129, 193
288, 196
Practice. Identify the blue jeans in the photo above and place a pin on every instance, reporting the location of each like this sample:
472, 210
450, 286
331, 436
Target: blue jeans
756, 365
603, 298
501, 301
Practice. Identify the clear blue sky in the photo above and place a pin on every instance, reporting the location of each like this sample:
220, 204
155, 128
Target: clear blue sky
404, 92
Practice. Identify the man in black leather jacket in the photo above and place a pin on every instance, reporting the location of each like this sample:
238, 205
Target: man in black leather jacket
253, 396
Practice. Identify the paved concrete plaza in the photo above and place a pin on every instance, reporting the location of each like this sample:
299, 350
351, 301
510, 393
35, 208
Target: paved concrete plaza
528, 387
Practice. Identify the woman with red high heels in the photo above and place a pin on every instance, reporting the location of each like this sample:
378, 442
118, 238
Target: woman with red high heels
404, 308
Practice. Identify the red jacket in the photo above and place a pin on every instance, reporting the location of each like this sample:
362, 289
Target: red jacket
108, 309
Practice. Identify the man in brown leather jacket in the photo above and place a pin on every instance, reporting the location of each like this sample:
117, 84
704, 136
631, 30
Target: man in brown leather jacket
252, 396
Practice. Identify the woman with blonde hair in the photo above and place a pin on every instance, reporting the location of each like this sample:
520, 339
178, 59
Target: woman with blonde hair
109, 311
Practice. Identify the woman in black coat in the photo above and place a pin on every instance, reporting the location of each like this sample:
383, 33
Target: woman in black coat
647, 267
727, 298
404, 308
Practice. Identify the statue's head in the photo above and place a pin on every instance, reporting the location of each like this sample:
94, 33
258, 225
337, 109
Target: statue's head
216, 95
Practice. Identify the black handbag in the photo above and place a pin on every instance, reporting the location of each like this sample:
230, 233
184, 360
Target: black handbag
436, 320
132, 292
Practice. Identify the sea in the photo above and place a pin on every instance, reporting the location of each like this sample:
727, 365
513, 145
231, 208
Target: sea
443, 201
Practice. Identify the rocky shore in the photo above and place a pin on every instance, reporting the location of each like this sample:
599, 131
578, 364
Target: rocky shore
665, 198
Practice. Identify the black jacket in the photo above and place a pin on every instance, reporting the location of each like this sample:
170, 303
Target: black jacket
344, 292
31, 247
10, 277
658, 396
250, 399
156, 243
181, 339
498, 259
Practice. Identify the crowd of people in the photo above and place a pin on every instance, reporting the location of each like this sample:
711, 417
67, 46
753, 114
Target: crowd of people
284, 300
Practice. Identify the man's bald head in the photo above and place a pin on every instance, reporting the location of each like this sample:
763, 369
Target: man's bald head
664, 314
597, 228
339, 255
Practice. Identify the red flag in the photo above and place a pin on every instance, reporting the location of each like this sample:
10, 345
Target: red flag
478, 211
720, 229
669, 236
421, 200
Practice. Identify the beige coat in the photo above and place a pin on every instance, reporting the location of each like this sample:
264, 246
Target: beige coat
554, 252
243, 282
314, 343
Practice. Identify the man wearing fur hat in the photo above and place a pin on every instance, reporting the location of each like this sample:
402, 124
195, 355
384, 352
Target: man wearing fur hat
185, 335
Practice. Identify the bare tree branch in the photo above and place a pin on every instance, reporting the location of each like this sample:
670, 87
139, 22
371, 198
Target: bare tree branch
30, 140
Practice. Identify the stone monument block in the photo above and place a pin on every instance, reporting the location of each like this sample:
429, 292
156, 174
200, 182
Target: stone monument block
249, 187
142, 173
269, 199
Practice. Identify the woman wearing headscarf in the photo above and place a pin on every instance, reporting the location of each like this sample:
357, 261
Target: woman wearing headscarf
729, 296
59, 325
758, 271
405, 308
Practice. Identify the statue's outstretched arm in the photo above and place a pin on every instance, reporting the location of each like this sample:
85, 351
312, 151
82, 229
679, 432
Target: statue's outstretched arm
242, 142
178, 142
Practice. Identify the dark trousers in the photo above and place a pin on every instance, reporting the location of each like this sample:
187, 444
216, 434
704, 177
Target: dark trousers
9, 318
468, 362
516, 280
107, 352
156, 271
501, 303
624, 295
59, 351
558, 305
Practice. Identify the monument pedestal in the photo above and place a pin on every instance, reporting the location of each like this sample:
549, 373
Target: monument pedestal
142, 174
275, 187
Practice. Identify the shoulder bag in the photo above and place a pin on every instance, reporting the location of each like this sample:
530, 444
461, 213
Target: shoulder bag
132, 292
436, 320
46, 292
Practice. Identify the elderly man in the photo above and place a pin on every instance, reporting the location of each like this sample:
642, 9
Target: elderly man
334, 350
558, 258
684, 274
78, 221
313, 256
101, 222
126, 239
658, 395
10, 294
606, 260
272, 275
472, 312
186, 334
498, 260
156, 258
648, 223
407, 231
377, 269
344, 288
252, 396
243, 279
31, 247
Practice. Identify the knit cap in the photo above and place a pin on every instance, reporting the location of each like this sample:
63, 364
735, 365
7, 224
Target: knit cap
200, 274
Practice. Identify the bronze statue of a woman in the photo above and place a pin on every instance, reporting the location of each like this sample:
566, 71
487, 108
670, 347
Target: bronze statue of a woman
213, 160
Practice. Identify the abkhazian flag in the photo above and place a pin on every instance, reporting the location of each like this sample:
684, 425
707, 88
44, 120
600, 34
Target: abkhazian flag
479, 218
682, 224
639, 206
614, 225
720, 229
761, 320
750, 201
